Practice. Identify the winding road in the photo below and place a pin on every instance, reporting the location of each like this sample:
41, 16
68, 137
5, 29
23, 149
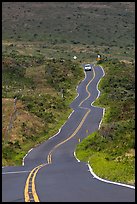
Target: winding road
52, 173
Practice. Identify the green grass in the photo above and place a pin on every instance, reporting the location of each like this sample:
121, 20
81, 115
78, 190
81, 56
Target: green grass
111, 149
112, 170
108, 161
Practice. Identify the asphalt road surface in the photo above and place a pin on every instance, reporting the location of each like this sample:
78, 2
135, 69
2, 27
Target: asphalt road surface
51, 172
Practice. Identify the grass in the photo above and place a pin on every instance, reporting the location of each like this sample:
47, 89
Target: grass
111, 149
112, 170
27, 29
82, 22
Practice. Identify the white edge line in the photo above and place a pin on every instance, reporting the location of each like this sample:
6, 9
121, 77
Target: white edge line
98, 96
14, 172
26, 156
76, 157
90, 169
102, 118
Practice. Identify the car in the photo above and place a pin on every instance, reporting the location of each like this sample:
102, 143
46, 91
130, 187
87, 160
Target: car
87, 67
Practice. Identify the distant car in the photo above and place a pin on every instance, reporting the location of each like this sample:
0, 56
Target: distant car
87, 67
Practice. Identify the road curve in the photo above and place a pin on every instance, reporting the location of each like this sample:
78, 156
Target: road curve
51, 173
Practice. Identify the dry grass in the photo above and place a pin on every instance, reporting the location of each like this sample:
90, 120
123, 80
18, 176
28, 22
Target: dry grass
130, 153
33, 122
7, 110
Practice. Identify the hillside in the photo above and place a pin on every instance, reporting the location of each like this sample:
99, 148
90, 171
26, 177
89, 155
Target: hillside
39, 41
111, 150
50, 28
44, 90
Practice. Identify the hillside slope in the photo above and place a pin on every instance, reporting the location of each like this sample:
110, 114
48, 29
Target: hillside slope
51, 27
111, 150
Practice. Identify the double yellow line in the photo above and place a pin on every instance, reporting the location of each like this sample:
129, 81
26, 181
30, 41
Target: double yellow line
30, 193
30, 190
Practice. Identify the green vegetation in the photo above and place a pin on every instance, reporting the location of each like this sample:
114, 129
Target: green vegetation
86, 28
111, 149
82, 22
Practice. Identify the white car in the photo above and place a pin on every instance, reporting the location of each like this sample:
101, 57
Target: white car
87, 67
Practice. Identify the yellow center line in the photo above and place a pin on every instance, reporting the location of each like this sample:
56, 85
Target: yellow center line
26, 191
87, 88
32, 189
74, 133
79, 126
33, 186
30, 183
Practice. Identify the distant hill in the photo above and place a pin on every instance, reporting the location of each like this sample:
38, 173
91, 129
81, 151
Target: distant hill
92, 23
